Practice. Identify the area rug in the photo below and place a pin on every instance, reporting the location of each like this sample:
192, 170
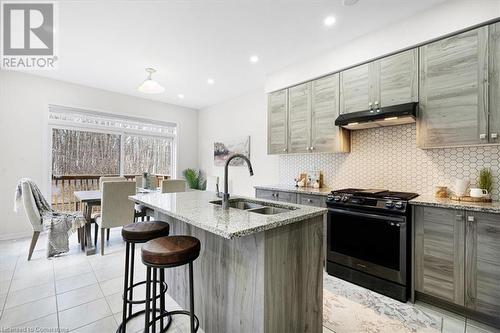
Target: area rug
348, 308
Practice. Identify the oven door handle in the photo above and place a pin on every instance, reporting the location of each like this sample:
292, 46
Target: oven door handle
372, 216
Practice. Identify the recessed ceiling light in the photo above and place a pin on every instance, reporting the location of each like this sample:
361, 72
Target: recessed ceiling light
181, 96
349, 2
210, 81
254, 59
329, 21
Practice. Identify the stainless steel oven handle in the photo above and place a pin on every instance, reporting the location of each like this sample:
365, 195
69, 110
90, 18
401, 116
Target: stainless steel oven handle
400, 220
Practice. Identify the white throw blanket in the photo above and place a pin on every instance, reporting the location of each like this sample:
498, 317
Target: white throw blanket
59, 224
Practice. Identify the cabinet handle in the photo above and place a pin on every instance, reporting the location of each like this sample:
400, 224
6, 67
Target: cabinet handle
494, 135
470, 218
312, 148
309, 200
376, 103
284, 149
482, 136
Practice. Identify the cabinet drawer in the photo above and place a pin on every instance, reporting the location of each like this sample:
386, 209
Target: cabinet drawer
287, 197
265, 194
311, 200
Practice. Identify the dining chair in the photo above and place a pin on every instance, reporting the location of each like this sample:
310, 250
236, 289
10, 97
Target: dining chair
138, 181
173, 185
212, 184
33, 216
110, 179
116, 208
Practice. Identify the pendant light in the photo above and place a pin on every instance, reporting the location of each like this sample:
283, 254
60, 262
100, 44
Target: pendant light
150, 86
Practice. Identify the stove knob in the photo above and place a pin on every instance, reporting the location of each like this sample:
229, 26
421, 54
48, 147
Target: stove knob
389, 204
399, 205
345, 198
337, 198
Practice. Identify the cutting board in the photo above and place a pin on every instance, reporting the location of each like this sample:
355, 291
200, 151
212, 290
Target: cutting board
469, 199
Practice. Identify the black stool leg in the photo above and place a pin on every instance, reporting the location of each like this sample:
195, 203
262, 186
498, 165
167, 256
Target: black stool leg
148, 299
153, 311
125, 284
191, 296
162, 298
132, 261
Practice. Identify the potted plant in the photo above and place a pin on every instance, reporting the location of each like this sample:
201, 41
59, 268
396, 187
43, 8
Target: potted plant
194, 179
485, 180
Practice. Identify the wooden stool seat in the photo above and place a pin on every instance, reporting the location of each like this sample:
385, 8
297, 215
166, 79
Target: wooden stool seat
144, 231
170, 250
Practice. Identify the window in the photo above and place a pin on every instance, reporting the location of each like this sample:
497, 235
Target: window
86, 145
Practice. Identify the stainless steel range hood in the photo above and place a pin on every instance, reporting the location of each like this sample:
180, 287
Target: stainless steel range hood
388, 116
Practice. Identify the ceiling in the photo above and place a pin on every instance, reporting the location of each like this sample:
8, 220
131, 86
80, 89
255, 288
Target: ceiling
107, 44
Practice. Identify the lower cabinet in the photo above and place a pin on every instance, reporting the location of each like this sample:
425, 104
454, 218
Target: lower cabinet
311, 200
482, 263
457, 257
439, 253
276, 195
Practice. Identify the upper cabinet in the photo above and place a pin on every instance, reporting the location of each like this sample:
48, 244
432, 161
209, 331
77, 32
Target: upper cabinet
388, 81
453, 104
325, 136
355, 89
397, 78
299, 118
302, 119
494, 82
277, 122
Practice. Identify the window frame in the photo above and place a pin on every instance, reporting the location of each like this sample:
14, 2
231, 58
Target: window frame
69, 125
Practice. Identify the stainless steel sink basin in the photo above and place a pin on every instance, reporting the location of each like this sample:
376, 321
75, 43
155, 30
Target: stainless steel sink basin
253, 207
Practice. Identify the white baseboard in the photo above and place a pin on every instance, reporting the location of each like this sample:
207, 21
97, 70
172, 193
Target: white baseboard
16, 235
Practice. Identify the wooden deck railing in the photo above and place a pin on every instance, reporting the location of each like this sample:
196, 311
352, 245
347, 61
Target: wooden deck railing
64, 187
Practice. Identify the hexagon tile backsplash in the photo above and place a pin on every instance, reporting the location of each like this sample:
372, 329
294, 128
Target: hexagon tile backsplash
389, 158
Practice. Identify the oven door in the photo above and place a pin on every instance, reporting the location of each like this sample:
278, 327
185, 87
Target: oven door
368, 242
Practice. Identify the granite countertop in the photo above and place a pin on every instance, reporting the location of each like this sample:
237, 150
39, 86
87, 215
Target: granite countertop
430, 200
291, 188
194, 207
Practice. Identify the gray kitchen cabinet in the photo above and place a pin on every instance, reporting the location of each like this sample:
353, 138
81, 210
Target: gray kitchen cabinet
439, 253
494, 83
311, 200
325, 136
384, 82
453, 103
355, 88
277, 122
276, 195
397, 79
482, 265
299, 118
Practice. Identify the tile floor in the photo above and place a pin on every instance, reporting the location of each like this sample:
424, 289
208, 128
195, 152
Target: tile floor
79, 293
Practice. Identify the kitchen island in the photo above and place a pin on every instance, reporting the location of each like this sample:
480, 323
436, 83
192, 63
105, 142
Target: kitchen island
259, 270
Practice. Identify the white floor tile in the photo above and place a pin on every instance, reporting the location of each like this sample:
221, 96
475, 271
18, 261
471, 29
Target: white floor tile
30, 294
110, 272
84, 314
28, 312
30, 281
75, 282
104, 325
44, 324
79, 296
6, 274
113, 286
66, 271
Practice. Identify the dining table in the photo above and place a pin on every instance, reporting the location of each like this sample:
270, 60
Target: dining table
86, 201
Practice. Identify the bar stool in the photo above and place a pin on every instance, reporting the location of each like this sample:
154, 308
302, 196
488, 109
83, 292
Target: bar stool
134, 233
168, 252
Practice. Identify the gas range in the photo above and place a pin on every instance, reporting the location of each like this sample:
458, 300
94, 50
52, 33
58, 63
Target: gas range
375, 199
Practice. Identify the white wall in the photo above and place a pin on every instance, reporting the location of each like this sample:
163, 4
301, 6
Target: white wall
241, 116
24, 101
441, 20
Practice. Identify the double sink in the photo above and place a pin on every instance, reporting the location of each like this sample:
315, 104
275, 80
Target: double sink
254, 207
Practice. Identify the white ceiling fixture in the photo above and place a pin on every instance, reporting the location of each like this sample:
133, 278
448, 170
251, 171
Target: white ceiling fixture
150, 86
329, 21
181, 96
210, 81
254, 59
216, 37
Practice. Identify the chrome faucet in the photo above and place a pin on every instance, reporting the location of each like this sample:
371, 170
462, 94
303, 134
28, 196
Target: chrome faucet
225, 195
